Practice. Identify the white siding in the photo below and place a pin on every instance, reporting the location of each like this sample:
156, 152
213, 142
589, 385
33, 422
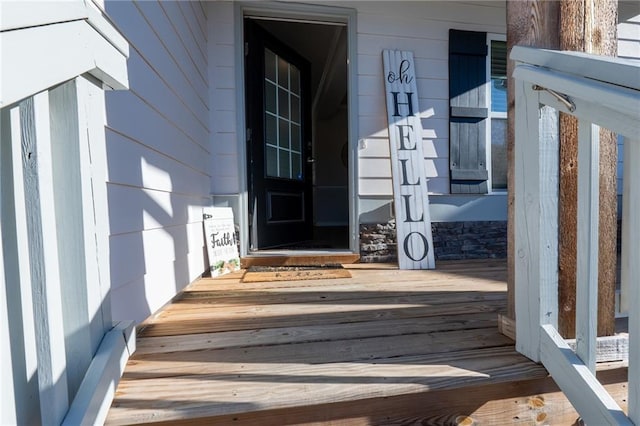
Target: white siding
158, 154
222, 75
628, 47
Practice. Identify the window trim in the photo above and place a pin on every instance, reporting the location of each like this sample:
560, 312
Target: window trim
503, 115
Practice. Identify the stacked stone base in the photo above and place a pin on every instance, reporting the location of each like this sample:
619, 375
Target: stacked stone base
451, 241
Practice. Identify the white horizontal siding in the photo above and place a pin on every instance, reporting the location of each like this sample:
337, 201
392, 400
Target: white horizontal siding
159, 155
134, 209
161, 273
147, 288
154, 241
144, 167
151, 40
158, 133
187, 22
186, 60
472, 13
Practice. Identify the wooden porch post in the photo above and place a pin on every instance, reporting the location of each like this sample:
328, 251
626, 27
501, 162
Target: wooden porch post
587, 26
531, 23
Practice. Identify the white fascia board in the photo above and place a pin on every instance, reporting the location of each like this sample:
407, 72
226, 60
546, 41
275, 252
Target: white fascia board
37, 58
18, 15
25, 14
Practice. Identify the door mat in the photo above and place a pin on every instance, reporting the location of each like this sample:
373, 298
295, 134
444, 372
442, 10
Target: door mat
293, 273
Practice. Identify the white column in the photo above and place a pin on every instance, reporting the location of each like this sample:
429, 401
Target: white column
35, 140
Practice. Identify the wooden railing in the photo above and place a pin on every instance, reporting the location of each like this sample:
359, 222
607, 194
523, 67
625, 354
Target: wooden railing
599, 92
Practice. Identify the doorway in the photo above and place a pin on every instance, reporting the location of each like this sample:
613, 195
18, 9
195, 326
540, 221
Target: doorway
297, 153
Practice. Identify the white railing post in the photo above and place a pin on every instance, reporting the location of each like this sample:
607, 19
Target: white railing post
536, 212
630, 298
587, 243
32, 130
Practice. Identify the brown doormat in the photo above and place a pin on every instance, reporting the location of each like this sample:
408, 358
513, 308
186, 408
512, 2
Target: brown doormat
293, 273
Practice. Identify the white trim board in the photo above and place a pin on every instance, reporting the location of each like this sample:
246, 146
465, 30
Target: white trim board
97, 390
80, 49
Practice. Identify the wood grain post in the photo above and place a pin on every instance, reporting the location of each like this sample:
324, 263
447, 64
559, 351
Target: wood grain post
587, 26
531, 23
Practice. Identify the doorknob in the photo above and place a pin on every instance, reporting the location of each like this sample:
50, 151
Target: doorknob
311, 160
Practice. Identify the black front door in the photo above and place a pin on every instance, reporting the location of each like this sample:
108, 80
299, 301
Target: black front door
278, 141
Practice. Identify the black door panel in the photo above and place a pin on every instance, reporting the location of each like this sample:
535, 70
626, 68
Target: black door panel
278, 117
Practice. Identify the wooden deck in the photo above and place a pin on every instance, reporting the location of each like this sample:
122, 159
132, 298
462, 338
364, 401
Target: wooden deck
383, 347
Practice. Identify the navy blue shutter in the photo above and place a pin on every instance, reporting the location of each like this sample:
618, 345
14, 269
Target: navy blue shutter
468, 112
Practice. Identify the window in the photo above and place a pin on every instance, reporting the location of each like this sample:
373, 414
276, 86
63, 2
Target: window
497, 126
283, 108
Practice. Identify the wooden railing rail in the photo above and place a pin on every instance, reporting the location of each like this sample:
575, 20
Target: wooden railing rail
598, 91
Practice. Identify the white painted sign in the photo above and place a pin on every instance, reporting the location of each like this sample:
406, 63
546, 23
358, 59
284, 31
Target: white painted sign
222, 246
410, 194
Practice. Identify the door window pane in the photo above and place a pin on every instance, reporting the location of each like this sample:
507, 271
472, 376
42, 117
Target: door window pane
296, 166
270, 65
272, 161
295, 109
282, 118
284, 168
283, 72
271, 131
270, 97
283, 103
296, 141
283, 135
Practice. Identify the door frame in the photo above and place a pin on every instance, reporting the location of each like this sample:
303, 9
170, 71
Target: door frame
299, 13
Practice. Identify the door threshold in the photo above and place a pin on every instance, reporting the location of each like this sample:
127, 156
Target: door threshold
276, 257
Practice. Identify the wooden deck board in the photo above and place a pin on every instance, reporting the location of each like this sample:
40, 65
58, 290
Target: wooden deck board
296, 384
369, 349
287, 352
531, 402
317, 333
270, 316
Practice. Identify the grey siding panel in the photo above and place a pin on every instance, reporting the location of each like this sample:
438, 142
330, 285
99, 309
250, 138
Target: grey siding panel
158, 153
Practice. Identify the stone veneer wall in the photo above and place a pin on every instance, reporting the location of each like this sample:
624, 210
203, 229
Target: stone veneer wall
451, 241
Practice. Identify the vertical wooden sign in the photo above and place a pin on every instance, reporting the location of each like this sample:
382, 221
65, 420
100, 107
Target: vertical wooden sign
222, 245
410, 194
